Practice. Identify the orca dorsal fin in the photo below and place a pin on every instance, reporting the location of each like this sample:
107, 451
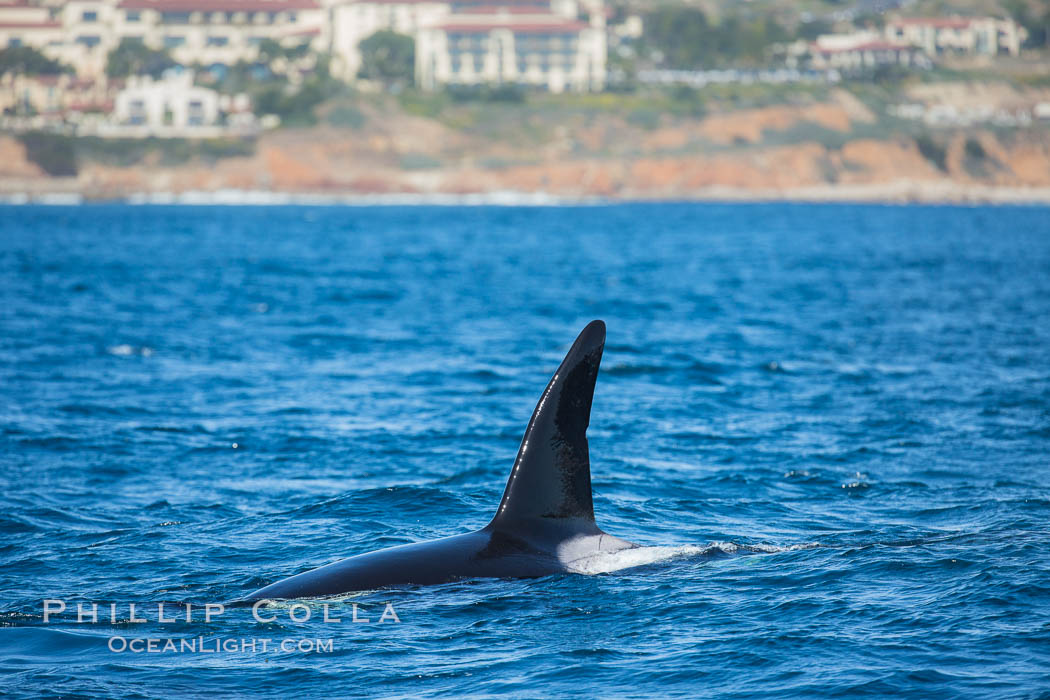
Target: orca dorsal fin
551, 478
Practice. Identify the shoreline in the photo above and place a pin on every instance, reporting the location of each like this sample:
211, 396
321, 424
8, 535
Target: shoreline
897, 193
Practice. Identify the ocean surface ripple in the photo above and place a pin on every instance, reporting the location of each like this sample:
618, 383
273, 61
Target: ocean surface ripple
829, 426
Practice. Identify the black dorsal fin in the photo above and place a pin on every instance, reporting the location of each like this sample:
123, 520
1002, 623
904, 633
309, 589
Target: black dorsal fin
551, 478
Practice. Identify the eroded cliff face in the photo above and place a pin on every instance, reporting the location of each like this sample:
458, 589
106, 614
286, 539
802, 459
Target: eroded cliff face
826, 149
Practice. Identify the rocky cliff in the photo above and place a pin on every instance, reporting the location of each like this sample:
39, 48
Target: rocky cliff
835, 147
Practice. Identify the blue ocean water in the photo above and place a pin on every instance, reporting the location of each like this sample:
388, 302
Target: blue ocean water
829, 424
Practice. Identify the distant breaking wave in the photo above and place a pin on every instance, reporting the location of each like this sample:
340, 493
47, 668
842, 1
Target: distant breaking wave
266, 197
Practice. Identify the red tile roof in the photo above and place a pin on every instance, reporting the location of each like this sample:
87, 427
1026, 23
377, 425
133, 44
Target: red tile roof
938, 22
220, 5
866, 46
516, 27
508, 10
30, 25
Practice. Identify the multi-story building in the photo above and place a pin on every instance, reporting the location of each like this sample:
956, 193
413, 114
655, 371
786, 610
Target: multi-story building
958, 35
219, 31
25, 24
81, 33
557, 44
535, 42
173, 102
539, 44
353, 22
53, 95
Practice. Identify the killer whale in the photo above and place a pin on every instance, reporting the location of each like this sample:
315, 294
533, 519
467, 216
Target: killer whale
544, 522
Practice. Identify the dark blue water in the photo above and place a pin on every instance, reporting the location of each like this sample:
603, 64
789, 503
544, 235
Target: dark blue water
830, 423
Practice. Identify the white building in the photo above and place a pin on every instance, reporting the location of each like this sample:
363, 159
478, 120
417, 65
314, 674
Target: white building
529, 46
558, 44
220, 31
175, 107
958, 35
467, 42
81, 33
25, 24
172, 103
353, 22
863, 50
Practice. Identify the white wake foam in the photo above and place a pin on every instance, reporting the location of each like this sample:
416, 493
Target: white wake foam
607, 562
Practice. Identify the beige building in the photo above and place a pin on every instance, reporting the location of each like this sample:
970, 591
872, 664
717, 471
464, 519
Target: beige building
491, 45
81, 33
353, 22
26, 24
173, 102
958, 35
557, 44
53, 95
220, 31
467, 42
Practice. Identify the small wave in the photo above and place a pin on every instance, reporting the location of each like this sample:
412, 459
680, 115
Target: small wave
125, 350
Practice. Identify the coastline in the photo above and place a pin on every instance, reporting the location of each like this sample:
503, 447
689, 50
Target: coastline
901, 192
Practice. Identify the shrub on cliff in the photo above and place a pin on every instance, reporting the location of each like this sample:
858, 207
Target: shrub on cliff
55, 154
933, 151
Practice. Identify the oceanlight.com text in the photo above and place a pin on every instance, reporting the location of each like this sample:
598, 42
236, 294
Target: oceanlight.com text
231, 645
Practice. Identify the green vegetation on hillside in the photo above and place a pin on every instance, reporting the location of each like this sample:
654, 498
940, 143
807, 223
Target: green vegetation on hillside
53, 153
60, 156
25, 60
683, 37
388, 57
132, 57
1035, 20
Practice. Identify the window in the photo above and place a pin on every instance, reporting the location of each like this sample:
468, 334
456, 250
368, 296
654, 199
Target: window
171, 41
89, 16
218, 40
137, 112
14, 42
196, 113
175, 17
89, 40
132, 16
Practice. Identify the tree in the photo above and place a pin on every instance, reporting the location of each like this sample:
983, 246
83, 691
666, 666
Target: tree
681, 34
25, 60
271, 50
132, 57
682, 37
813, 28
1037, 27
388, 57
